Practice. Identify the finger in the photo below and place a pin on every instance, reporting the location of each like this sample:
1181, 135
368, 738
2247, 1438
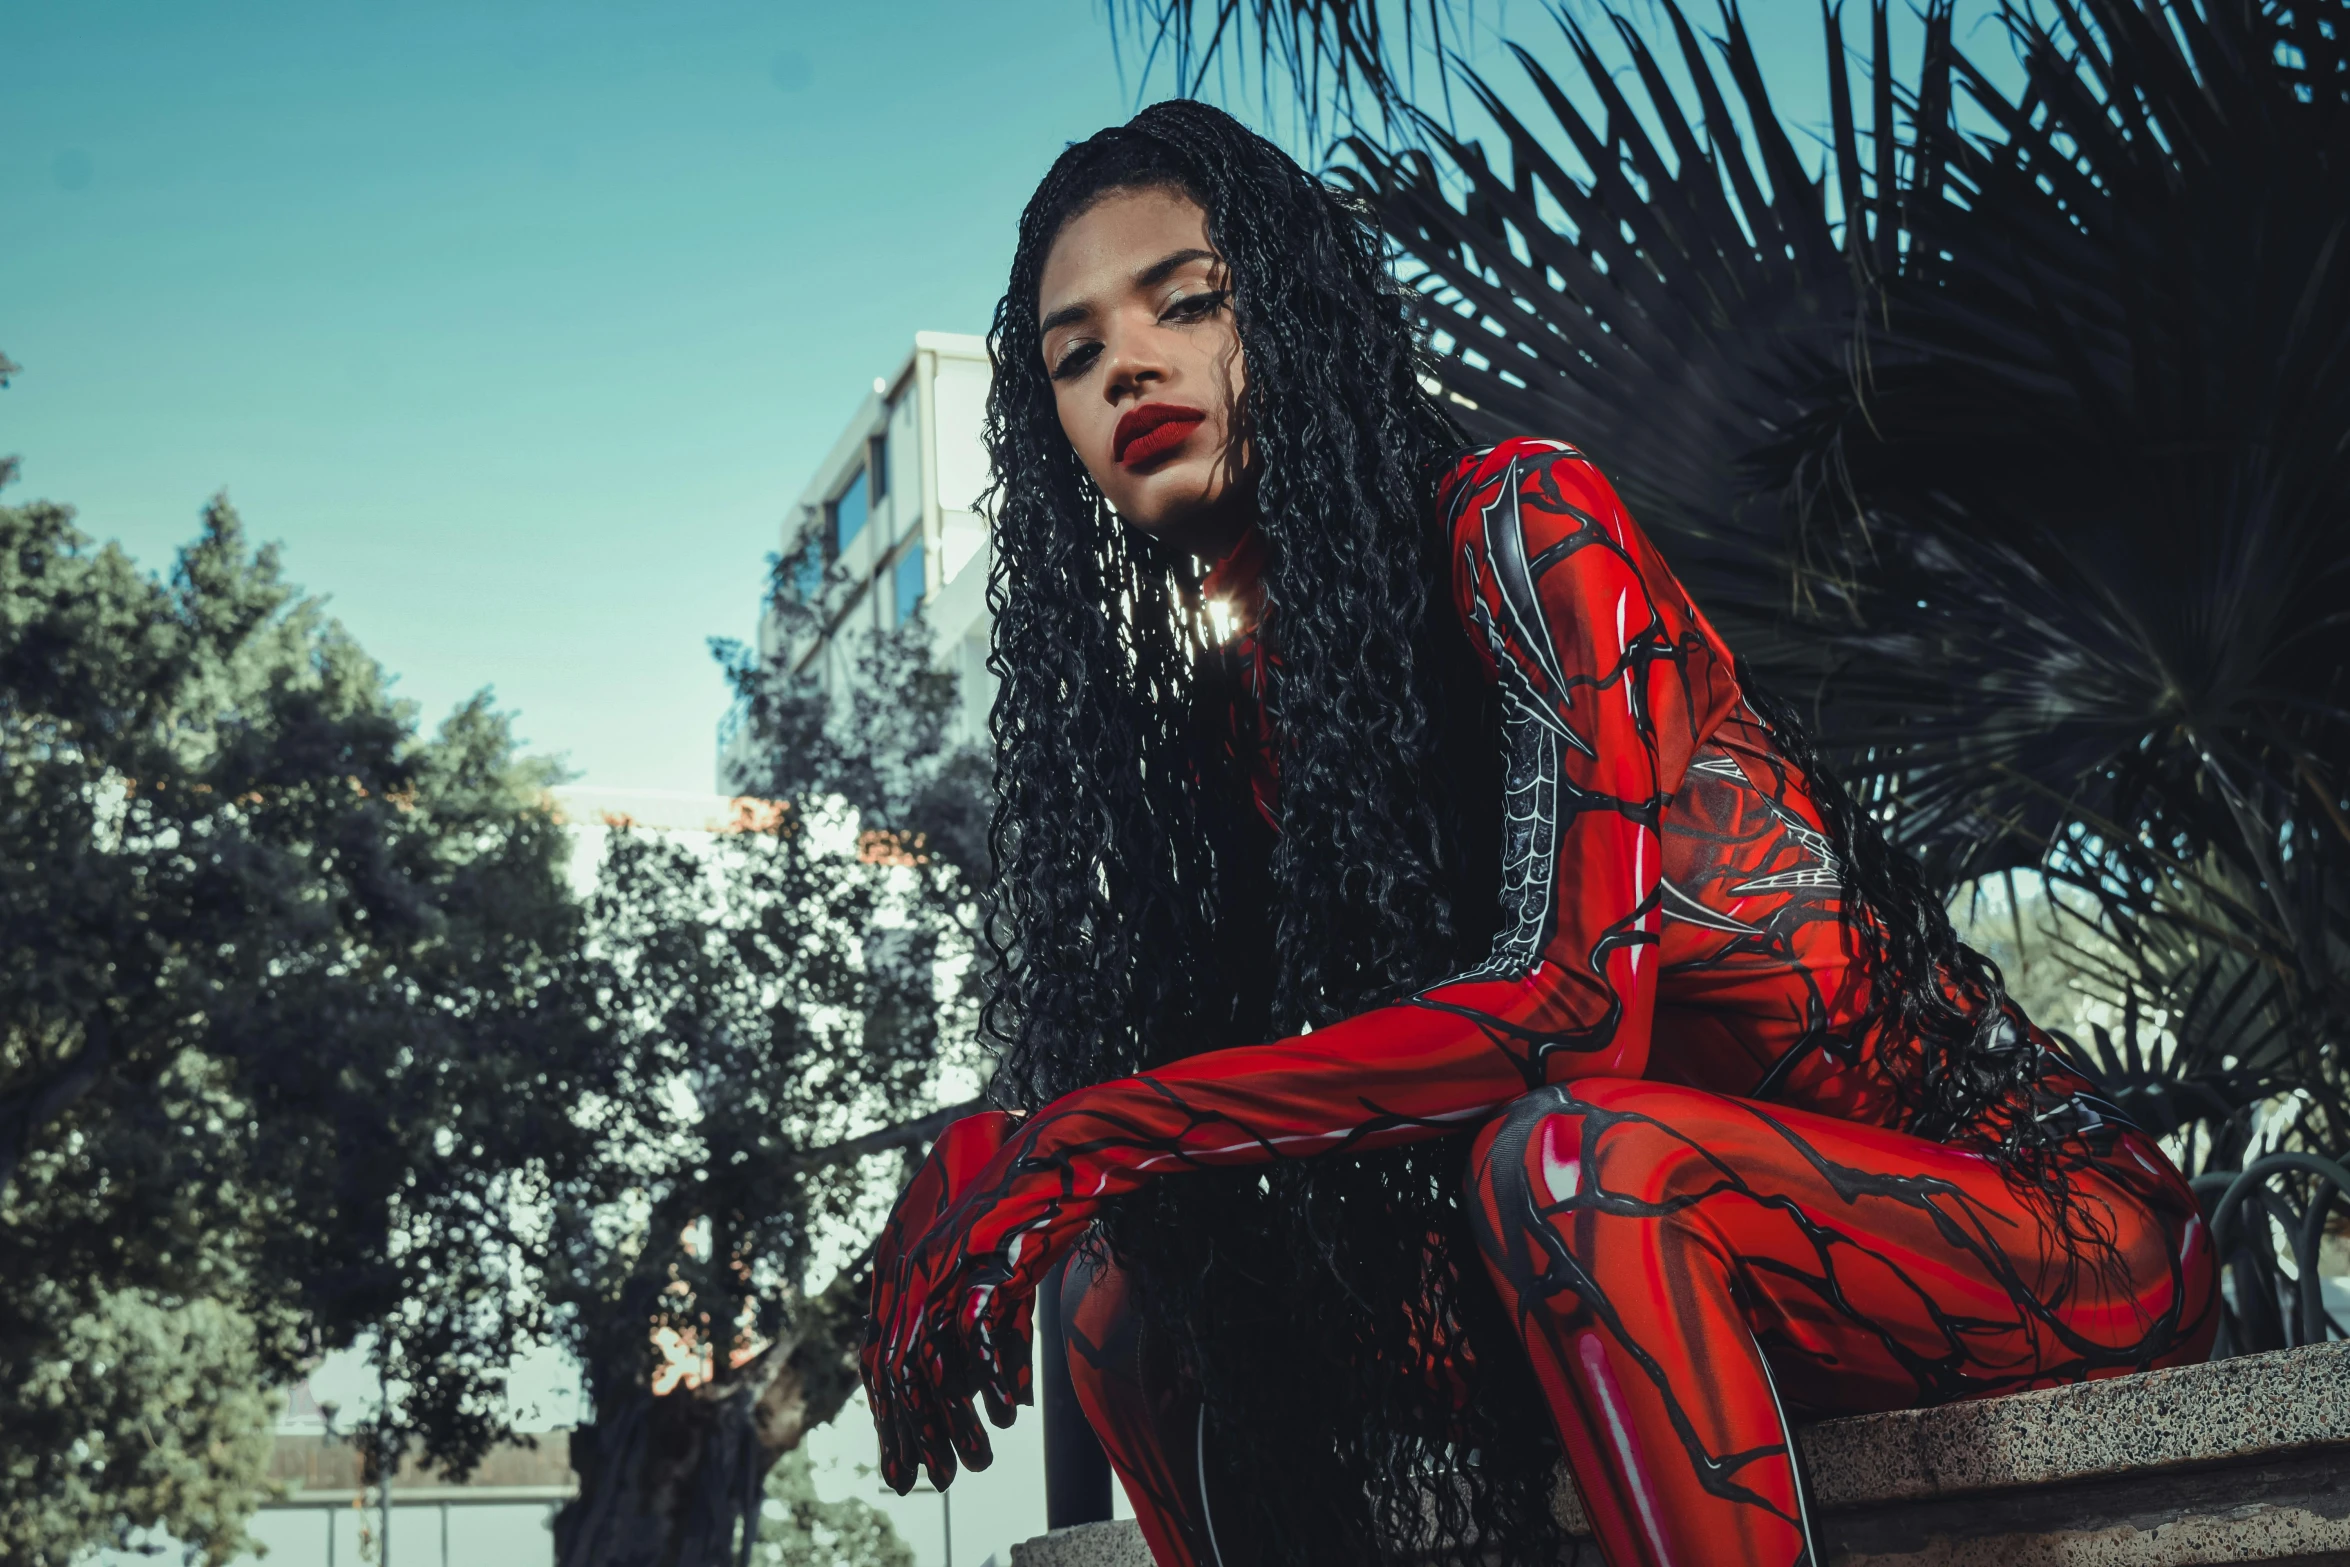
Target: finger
1024, 1318
905, 1436
1022, 1345
986, 1319
881, 1442
914, 1422
926, 1428
922, 1446
999, 1408
1006, 1382
968, 1435
1004, 1389
939, 1461
897, 1467
1011, 1389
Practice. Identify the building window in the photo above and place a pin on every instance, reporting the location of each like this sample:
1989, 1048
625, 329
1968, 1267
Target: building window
877, 464
848, 514
910, 581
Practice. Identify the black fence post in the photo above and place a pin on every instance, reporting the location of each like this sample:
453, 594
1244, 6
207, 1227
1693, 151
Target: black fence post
1076, 1471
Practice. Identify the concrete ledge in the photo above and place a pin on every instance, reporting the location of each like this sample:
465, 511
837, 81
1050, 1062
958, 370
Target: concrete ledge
1087, 1545
2238, 1461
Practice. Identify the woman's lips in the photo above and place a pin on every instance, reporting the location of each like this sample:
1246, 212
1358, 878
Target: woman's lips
1153, 431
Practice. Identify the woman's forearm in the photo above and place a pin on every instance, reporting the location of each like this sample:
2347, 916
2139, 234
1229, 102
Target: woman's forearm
1398, 1074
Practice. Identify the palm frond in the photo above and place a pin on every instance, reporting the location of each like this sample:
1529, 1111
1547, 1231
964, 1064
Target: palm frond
2095, 491
2022, 458
1359, 60
2099, 461
2200, 1039
1674, 302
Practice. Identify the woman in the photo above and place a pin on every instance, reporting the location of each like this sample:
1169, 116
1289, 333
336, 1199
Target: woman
1455, 1011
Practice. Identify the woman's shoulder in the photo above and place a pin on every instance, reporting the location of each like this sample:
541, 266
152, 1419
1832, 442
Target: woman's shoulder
1476, 475
1543, 503
1553, 490
1543, 550
1477, 469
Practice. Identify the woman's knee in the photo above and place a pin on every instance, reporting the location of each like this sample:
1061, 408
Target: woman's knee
1568, 1144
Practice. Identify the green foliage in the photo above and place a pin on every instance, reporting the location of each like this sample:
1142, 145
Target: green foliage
286, 1037
774, 1008
797, 1529
885, 745
753, 1011
304, 1035
137, 1413
2116, 650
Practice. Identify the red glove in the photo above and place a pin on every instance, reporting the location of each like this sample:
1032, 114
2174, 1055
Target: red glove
1000, 1200
919, 1371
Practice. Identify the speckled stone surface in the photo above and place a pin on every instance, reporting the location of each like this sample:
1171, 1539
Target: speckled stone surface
2252, 1508
1088, 1545
2239, 1461
2258, 1404
2284, 1539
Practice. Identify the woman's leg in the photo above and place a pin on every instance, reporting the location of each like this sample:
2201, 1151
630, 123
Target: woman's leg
1683, 1267
1143, 1409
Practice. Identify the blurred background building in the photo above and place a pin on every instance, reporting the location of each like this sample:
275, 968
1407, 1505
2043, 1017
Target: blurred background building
894, 508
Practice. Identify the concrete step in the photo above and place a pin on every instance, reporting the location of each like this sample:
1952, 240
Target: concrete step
2237, 1461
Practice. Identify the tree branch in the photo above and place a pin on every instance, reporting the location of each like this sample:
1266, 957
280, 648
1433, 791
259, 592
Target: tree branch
922, 1129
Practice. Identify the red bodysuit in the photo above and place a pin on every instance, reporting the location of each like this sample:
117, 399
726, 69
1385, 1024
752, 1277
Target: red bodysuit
1691, 1180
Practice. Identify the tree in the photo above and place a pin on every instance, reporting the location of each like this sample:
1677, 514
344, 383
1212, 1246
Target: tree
799, 1529
2140, 671
305, 1037
776, 1003
282, 1039
2009, 445
135, 1413
750, 1027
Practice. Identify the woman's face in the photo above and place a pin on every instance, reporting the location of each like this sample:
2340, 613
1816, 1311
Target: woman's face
1135, 309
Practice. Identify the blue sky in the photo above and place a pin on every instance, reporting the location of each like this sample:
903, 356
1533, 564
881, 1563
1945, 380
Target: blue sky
520, 324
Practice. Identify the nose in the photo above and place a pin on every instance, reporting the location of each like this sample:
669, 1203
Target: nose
1132, 363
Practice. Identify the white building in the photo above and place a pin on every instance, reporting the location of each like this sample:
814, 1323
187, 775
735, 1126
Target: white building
896, 502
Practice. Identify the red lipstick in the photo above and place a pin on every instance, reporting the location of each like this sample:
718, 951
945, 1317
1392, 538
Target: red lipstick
1153, 430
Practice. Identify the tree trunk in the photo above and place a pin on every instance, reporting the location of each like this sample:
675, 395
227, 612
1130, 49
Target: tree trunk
675, 1480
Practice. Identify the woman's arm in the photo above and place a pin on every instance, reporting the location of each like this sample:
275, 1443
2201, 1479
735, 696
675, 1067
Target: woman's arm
1610, 679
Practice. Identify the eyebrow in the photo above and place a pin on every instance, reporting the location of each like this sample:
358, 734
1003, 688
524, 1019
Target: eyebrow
1163, 268
1157, 272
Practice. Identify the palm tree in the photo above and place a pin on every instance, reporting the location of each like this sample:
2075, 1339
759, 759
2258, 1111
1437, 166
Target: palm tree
2019, 454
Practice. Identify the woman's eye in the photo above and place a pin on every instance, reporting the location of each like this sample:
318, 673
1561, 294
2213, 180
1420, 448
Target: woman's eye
1195, 307
1075, 361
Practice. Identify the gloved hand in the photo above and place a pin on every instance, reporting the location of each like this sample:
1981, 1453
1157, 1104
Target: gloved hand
944, 1322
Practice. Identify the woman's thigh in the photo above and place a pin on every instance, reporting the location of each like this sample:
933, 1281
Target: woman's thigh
1874, 1269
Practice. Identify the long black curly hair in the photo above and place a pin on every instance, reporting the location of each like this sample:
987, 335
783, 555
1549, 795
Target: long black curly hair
1142, 912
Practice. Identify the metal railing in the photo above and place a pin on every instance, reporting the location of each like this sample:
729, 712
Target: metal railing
2271, 1212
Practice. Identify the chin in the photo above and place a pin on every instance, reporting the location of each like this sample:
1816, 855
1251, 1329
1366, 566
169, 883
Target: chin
1167, 497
